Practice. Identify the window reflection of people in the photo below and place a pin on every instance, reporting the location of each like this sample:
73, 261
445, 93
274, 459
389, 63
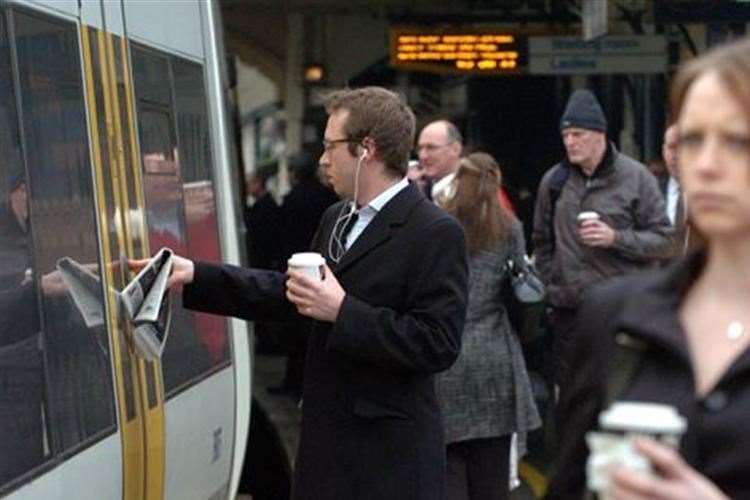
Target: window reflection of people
21, 429
692, 319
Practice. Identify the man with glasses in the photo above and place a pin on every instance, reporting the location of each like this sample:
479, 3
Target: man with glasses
387, 315
439, 150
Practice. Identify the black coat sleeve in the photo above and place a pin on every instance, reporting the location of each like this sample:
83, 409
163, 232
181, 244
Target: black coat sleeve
247, 293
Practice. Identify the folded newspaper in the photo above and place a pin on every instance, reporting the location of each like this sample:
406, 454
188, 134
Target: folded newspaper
85, 287
145, 300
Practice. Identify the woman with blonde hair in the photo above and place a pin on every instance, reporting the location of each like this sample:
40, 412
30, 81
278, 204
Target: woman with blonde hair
485, 396
690, 322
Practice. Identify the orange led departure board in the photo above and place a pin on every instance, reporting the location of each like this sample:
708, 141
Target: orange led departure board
457, 50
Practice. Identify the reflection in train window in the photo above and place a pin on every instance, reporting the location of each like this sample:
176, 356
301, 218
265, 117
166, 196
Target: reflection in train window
52, 207
21, 373
81, 401
180, 208
200, 207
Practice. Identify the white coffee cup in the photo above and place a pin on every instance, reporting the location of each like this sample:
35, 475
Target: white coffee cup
310, 263
584, 217
621, 424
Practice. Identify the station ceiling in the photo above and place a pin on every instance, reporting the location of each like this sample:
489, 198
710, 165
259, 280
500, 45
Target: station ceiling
256, 30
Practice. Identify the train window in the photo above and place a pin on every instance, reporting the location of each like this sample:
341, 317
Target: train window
200, 208
21, 371
179, 199
79, 389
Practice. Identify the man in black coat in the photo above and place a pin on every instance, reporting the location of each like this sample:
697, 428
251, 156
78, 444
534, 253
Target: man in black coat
301, 212
387, 315
262, 220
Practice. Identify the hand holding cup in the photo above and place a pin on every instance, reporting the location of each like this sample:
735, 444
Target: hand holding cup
593, 232
313, 288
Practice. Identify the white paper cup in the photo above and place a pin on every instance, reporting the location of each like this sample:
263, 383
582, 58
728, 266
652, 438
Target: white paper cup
310, 263
621, 424
584, 217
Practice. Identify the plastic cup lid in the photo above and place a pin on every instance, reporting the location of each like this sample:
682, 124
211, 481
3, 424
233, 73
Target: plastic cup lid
306, 259
650, 418
587, 216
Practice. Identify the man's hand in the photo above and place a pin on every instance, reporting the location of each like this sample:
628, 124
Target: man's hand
595, 233
318, 299
183, 270
674, 478
53, 284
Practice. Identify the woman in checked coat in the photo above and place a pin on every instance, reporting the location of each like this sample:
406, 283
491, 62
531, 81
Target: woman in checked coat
485, 396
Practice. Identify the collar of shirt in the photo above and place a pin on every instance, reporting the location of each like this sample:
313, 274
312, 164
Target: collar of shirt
380, 200
673, 186
369, 211
442, 186
673, 198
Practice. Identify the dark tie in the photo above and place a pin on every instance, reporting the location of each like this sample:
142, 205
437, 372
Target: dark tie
679, 213
338, 237
348, 229
427, 187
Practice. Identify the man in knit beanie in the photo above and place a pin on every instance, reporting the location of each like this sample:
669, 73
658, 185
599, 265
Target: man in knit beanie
599, 214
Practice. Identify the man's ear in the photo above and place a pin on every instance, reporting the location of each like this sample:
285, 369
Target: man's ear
367, 148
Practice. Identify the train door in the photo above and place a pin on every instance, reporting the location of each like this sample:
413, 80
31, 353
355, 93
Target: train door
58, 406
181, 214
106, 151
149, 109
177, 165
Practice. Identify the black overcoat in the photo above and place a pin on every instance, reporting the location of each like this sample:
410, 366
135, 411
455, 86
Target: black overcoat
371, 425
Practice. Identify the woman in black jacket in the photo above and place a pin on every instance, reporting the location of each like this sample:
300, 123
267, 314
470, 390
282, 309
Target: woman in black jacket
691, 322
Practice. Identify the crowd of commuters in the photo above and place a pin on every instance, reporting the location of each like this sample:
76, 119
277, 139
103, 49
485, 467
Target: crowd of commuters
415, 379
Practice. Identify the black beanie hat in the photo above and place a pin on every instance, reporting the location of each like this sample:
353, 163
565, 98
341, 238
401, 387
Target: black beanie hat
583, 111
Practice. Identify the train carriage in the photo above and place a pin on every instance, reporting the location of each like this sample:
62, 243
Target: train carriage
113, 144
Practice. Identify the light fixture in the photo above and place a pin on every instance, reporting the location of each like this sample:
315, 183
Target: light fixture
314, 73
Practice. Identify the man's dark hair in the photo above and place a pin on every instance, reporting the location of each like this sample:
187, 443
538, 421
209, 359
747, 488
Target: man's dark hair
303, 165
381, 115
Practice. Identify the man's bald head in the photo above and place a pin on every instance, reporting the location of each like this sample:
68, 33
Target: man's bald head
439, 147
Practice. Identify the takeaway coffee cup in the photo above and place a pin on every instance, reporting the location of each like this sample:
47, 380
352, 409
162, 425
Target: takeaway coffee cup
310, 263
621, 424
584, 217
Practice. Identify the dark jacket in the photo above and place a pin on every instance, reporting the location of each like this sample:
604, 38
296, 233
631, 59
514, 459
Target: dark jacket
679, 228
626, 196
301, 210
264, 245
371, 426
717, 442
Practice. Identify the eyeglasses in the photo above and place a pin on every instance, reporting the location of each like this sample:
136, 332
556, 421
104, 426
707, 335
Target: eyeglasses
431, 148
328, 145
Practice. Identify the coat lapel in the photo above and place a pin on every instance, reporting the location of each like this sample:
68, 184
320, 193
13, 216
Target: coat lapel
379, 230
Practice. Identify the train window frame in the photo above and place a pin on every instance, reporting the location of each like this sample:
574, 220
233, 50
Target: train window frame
137, 50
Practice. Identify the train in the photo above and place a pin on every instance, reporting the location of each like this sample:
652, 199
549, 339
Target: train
114, 142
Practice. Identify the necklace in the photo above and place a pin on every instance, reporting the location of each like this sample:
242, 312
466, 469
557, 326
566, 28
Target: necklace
735, 330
